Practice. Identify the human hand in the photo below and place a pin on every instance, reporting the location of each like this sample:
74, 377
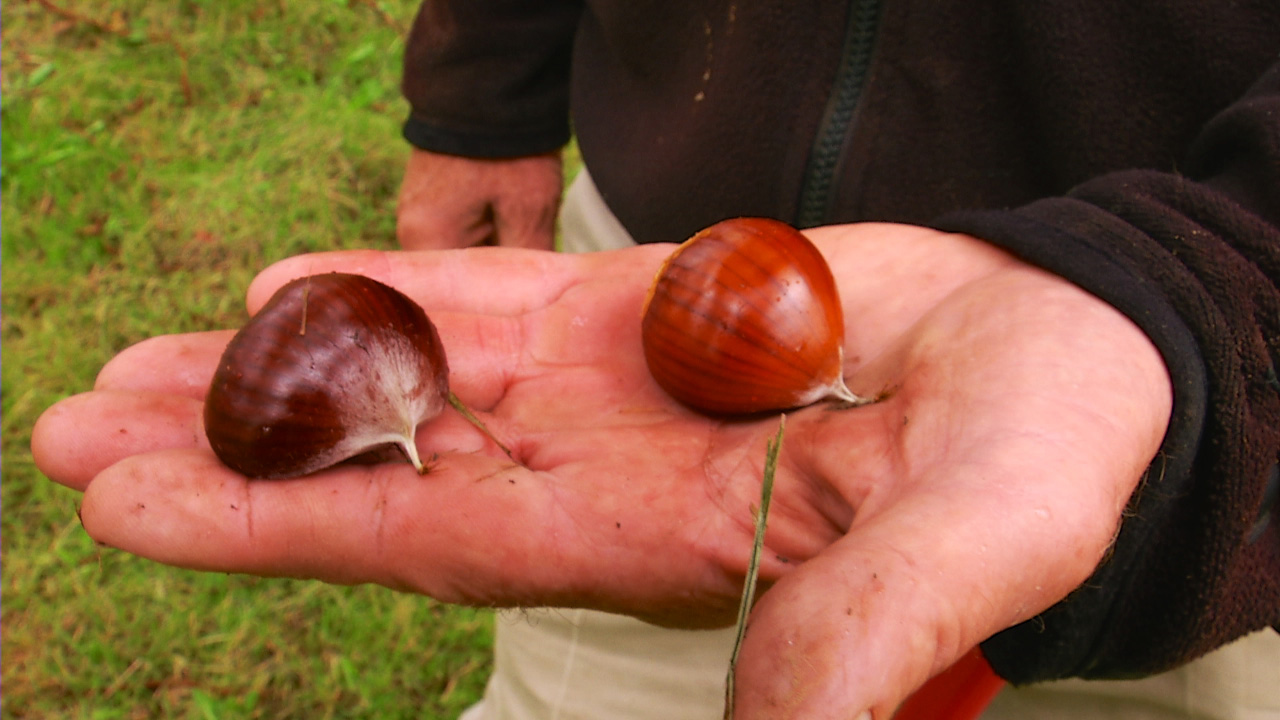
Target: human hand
985, 487
454, 202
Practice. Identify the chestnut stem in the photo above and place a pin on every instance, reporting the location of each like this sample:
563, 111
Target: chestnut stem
843, 397
471, 418
772, 450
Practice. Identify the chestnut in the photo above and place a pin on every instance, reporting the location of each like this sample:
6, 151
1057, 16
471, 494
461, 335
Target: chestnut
744, 317
334, 365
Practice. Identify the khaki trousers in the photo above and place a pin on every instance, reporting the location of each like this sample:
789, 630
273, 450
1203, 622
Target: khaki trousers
552, 664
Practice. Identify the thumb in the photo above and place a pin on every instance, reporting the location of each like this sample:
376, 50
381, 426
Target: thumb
859, 627
845, 635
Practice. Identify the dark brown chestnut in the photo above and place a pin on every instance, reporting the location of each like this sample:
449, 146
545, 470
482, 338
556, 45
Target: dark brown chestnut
332, 366
744, 317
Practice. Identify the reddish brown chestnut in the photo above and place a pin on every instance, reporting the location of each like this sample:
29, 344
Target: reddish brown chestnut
332, 366
744, 317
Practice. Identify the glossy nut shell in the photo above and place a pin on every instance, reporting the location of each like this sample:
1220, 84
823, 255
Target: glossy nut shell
332, 366
744, 317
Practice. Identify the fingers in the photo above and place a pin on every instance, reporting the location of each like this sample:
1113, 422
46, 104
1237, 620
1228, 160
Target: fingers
84, 434
528, 220
169, 364
482, 353
455, 202
443, 225
488, 281
498, 309
138, 407
531, 229
482, 350
442, 204
493, 281
485, 351
476, 529
441, 534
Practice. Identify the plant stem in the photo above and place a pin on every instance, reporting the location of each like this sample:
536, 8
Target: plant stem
471, 418
772, 450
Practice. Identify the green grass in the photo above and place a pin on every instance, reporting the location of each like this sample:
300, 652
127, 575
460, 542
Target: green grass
155, 156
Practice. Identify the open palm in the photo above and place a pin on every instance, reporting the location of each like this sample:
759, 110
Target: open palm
1018, 415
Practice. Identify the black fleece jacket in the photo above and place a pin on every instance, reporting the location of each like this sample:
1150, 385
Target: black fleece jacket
1131, 147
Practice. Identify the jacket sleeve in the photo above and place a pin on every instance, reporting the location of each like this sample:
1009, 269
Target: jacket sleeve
489, 78
1194, 259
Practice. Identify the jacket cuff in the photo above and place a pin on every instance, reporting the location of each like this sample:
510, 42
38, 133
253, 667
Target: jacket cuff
482, 143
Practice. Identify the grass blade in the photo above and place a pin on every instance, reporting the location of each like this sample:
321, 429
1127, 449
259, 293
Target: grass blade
773, 449
471, 418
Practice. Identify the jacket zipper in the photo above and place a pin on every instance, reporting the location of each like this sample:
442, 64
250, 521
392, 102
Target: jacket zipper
851, 75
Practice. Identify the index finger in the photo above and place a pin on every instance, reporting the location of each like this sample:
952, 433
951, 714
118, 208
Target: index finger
487, 280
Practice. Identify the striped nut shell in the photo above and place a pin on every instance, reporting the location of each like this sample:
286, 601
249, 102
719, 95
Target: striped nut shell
744, 317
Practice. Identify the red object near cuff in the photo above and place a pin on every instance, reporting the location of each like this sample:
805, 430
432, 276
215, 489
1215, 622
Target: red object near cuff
961, 692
